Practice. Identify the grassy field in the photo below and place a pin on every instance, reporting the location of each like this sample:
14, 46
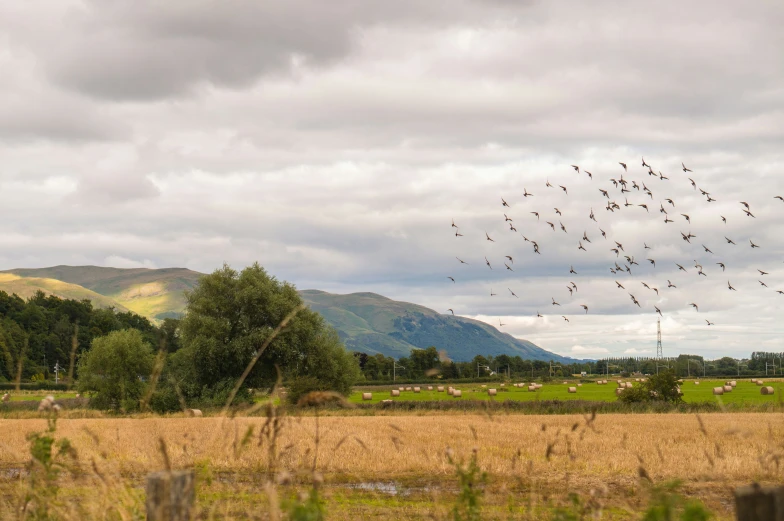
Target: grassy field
391, 467
744, 392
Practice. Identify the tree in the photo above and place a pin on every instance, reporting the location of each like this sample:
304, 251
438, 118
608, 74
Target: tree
662, 387
229, 317
115, 369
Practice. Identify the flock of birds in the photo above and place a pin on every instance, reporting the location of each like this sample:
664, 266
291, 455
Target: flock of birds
623, 263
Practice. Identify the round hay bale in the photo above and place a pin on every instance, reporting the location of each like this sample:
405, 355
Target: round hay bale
767, 391
408, 388
753, 380
484, 386
579, 385
395, 392
733, 383
417, 389
621, 384
450, 391
718, 390
619, 390
6, 397
367, 396
429, 387
401, 388
440, 389
492, 392
696, 383
532, 388
457, 393
727, 388
760, 382
680, 381
573, 389
193, 413
628, 385
503, 385
636, 379
566, 383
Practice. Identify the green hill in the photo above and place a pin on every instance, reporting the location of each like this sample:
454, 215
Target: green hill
375, 324
365, 321
26, 287
156, 294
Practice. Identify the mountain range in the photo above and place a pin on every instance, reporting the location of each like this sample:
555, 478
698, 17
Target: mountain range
366, 322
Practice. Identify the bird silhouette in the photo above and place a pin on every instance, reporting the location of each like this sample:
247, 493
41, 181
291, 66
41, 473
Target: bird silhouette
762, 283
555, 303
536, 214
450, 309
752, 244
513, 293
557, 211
707, 250
538, 315
504, 203
453, 224
565, 318
526, 193
724, 219
581, 247
671, 202
624, 166
551, 225
461, 260
458, 234
763, 272
684, 168
576, 168
564, 189
730, 286
507, 218
729, 241
710, 323
451, 278
686, 217
491, 293
571, 270
585, 308
779, 197
671, 285
604, 234
658, 311
500, 324
723, 267
488, 263
488, 237
507, 267
681, 267
562, 226
652, 262
548, 185
590, 175
510, 258
644, 164
619, 285
695, 306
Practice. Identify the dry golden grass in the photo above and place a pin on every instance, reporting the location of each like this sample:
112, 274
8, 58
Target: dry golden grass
738, 448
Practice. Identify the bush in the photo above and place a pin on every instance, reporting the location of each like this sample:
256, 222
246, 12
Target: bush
662, 387
299, 387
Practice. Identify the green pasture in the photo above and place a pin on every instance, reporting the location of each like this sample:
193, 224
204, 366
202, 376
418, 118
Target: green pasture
36, 396
745, 391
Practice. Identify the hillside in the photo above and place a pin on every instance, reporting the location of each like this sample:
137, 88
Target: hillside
26, 287
154, 293
375, 324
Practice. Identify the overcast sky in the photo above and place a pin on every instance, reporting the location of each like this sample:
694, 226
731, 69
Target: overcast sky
334, 142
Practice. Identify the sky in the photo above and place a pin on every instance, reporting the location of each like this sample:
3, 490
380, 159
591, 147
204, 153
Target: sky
335, 142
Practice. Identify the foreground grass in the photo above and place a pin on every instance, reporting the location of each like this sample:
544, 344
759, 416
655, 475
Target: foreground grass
396, 467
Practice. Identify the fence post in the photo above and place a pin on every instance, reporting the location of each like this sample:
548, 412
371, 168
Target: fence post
755, 503
170, 495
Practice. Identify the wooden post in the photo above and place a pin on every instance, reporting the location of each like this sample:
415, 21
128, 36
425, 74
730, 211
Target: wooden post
755, 503
170, 495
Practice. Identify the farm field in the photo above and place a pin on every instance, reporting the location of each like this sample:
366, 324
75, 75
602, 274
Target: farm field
395, 467
744, 392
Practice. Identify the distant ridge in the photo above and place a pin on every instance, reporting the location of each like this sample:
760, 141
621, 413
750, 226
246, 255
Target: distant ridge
366, 321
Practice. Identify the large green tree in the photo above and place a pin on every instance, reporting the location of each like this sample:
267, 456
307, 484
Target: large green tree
230, 316
116, 369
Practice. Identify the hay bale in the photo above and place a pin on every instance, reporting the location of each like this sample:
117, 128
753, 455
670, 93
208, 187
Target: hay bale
718, 391
367, 396
760, 382
6, 398
484, 386
417, 389
680, 381
628, 385
566, 383
503, 385
450, 391
408, 388
579, 385
492, 392
532, 388
696, 383
621, 384
753, 380
401, 388
733, 383
636, 379
429, 387
193, 413
767, 391
457, 393
440, 389
619, 390
573, 389
395, 392
727, 388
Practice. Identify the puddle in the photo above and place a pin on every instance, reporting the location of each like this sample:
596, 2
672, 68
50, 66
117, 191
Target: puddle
378, 486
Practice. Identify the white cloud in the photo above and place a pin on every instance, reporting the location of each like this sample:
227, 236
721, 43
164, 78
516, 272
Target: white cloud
585, 351
116, 261
635, 351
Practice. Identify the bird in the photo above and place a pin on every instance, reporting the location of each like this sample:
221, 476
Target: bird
453, 224
671, 285
488, 237
488, 263
585, 308
671, 202
504, 203
724, 219
744, 203
686, 217
590, 175
693, 184
730, 286
644, 164
581, 247
662, 177
604, 193
695, 306
558, 211
491, 293
658, 311
564, 189
576, 168
668, 220
604, 234
562, 226
565, 318
458, 234
729, 241
551, 225
647, 286
779, 197
711, 199
461, 260
707, 250
645, 206
710, 323
526, 193
680, 267
619, 285
548, 184
450, 278
763, 272
512, 228
620, 246
450, 309
513, 293
538, 315
555, 303
506, 218
571, 290
723, 267
510, 258
500, 324
571, 270
684, 168
585, 237
645, 244
780, 292
762, 283
507, 267
652, 262
536, 214
752, 244
592, 216
624, 166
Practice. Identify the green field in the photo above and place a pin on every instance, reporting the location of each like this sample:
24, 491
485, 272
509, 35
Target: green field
37, 396
745, 391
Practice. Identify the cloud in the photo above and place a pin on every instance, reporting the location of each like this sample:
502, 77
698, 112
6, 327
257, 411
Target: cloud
635, 351
116, 261
335, 145
585, 351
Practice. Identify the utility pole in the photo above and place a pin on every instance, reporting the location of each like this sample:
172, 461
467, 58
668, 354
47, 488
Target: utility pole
57, 370
395, 366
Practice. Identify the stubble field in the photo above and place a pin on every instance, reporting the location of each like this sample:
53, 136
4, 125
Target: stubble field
395, 467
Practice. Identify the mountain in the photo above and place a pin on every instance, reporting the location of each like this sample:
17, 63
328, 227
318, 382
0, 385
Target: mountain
365, 321
26, 287
375, 324
154, 293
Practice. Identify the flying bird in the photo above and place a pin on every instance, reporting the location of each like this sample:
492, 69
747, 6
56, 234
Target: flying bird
526, 193
763, 272
724, 219
581, 247
671, 285
488, 263
564, 189
680, 267
488, 237
752, 244
504, 203
619, 285
707, 250
723, 267
693, 184
451, 278
536, 214
500, 324
590, 175
510, 258
779, 197
507, 267
684, 168
762, 283
658, 311
571, 270
730, 286
710, 323
652, 262
557, 211
576, 168
450, 309
491, 293
453, 224
461, 260
555, 303
565, 318
513, 293
507, 218
695, 306
624, 166
644, 164
729, 241
585, 308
